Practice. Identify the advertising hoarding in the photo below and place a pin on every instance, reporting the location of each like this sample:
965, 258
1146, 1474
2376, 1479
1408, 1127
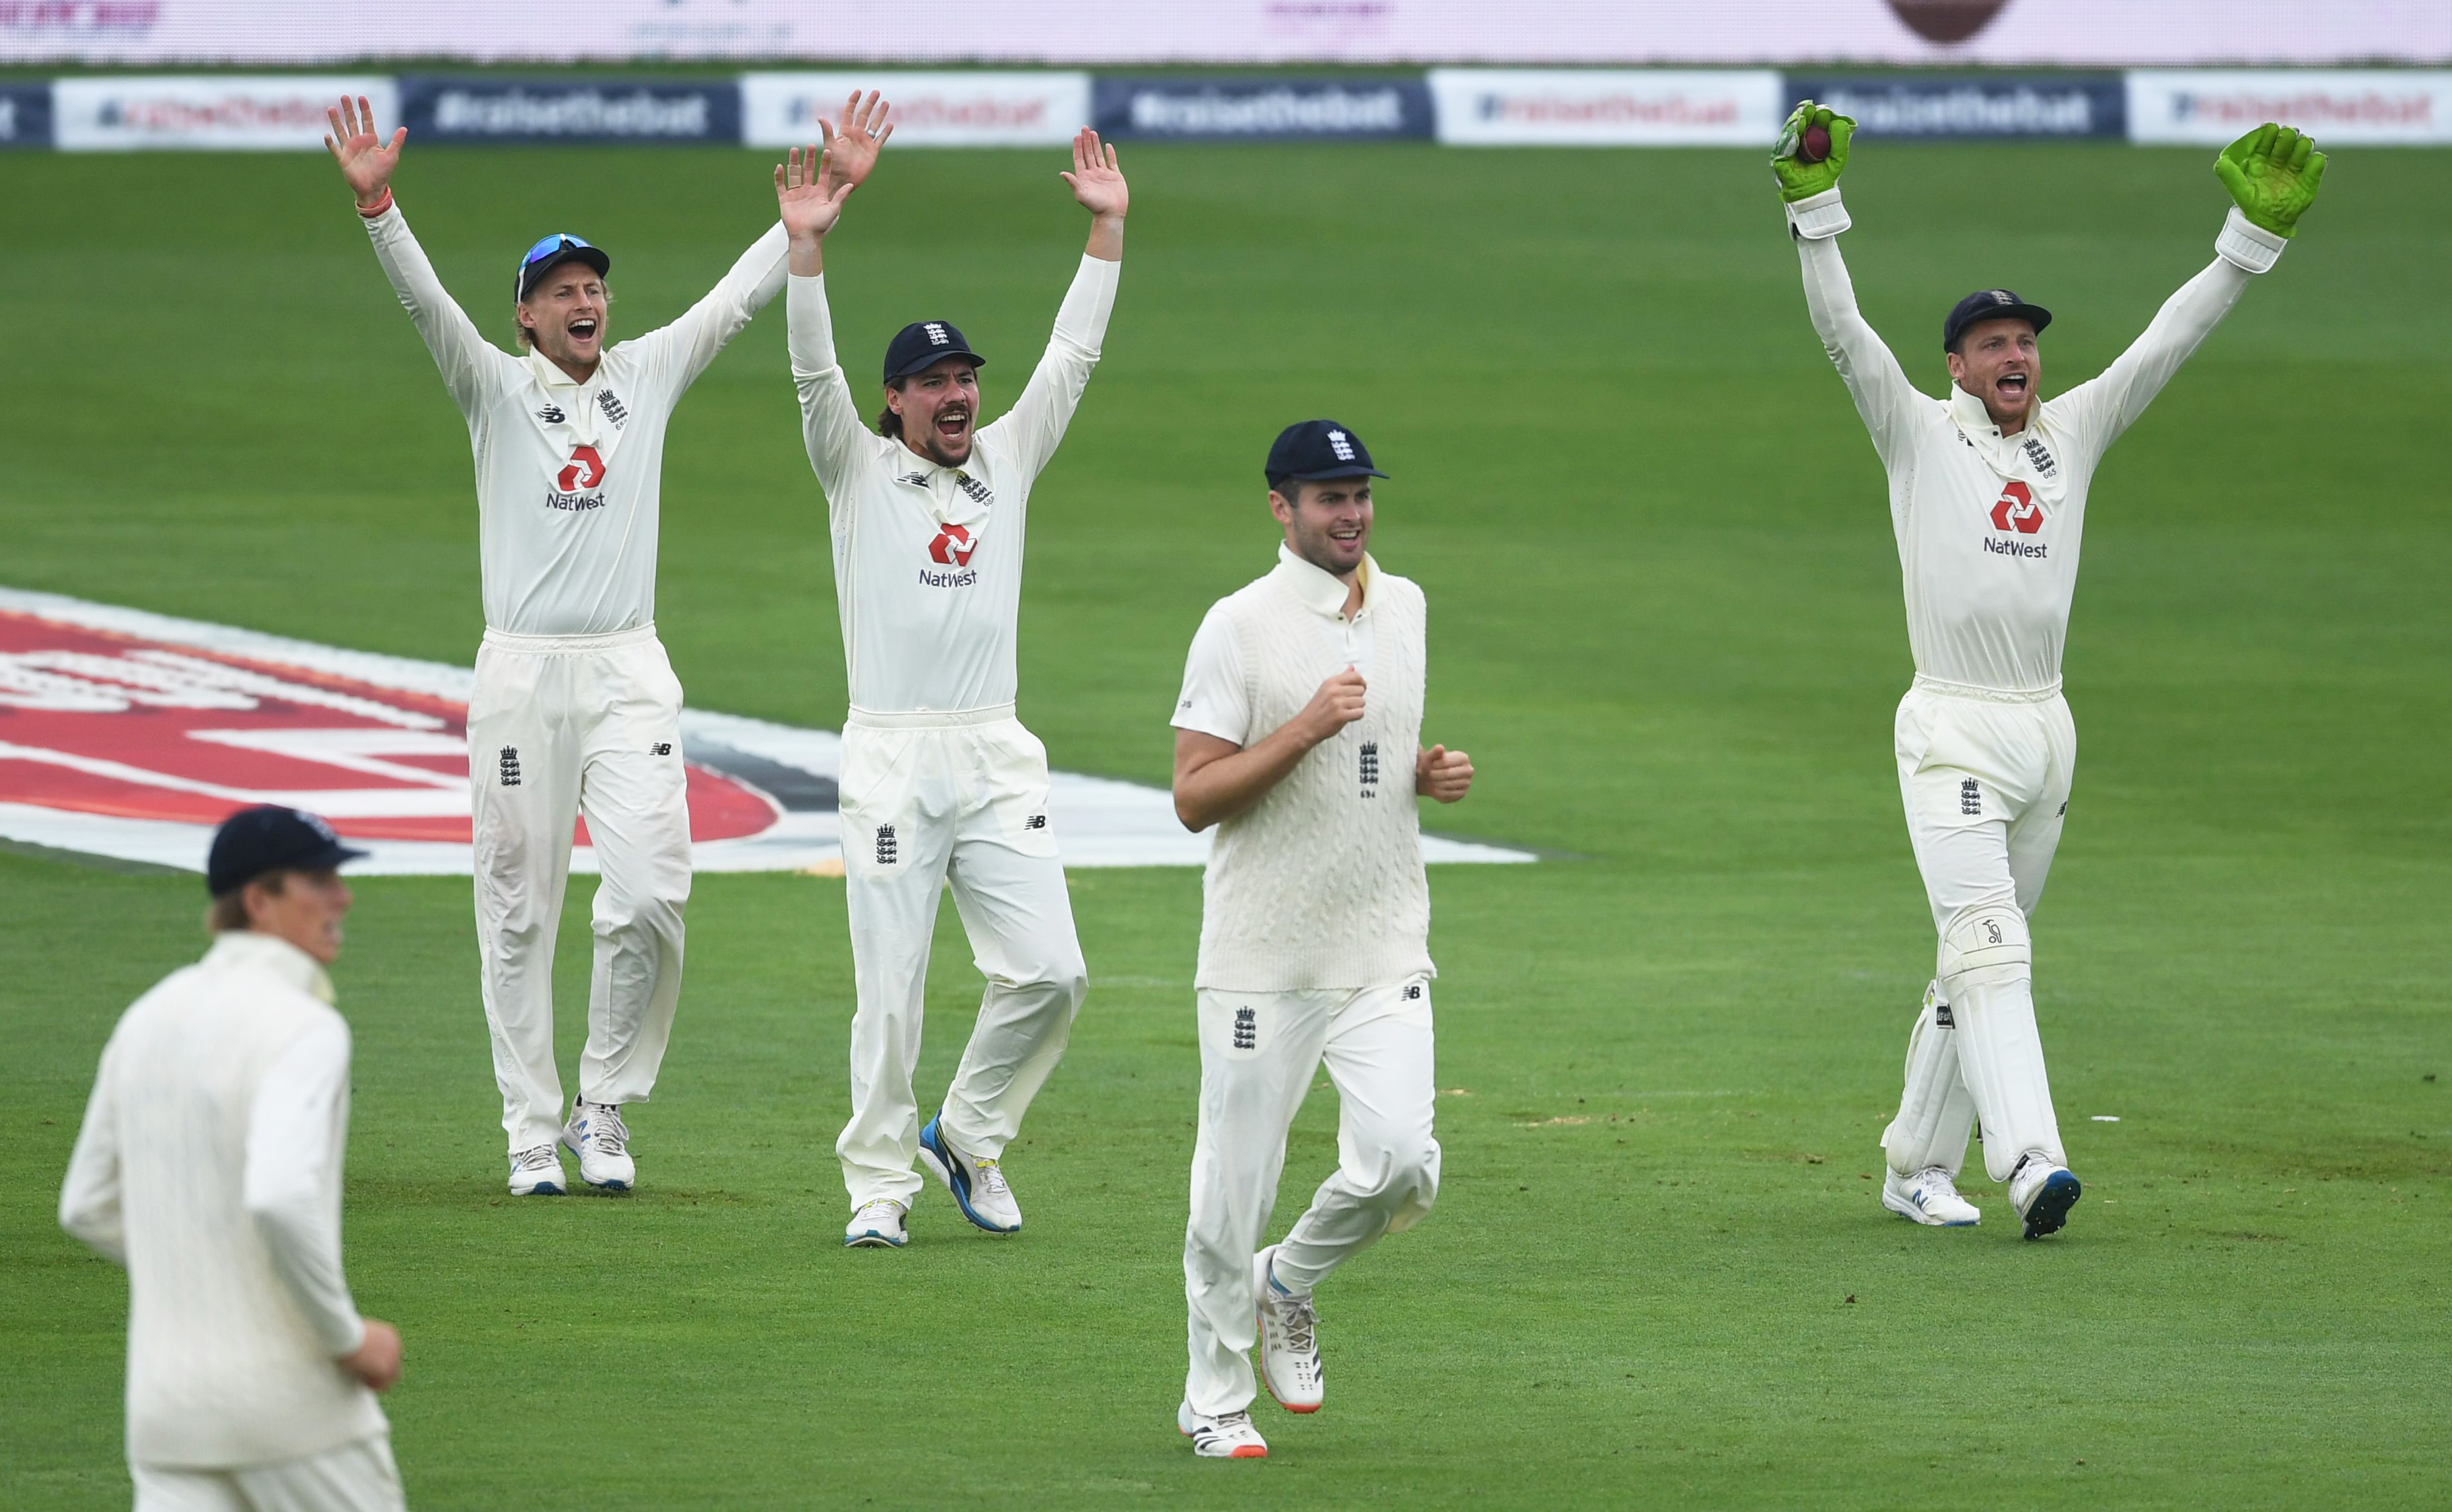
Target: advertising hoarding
2377, 107
1181, 109
1607, 108
25, 116
930, 110
1971, 105
487, 109
207, 112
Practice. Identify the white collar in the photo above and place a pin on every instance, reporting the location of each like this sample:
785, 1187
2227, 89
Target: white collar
1323, 593
549, 373
1977, 421
253, 949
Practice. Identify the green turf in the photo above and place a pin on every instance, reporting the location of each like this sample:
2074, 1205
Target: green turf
1666, 623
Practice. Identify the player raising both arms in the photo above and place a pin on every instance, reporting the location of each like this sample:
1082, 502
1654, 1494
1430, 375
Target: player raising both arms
576, 709
939, 781
1987, 498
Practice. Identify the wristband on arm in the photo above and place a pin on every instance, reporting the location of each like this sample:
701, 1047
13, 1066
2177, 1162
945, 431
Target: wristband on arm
370, 211
1817, 218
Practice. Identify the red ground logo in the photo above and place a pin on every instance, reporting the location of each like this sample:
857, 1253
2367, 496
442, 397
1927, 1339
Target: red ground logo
586, 470
2016, 509
952, 547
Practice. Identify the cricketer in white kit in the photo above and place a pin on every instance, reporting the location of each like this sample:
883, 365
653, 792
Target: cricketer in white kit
208, 1164
1987, 499
1298, 735
576, 710
939, 782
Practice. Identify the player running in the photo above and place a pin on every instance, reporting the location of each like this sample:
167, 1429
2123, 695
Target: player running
576, 709
1314, 928
939, 781
1987, 498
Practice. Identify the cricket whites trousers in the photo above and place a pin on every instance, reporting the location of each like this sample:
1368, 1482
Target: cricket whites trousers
358, 1476
1984, 777
929, 800
1259, 1052
560, 726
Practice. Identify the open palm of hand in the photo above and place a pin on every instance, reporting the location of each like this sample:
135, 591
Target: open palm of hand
851, 150
367, 160
808, 196
1097, 181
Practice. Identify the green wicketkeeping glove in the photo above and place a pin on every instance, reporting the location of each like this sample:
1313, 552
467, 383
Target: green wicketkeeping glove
1799, 179
2273, 172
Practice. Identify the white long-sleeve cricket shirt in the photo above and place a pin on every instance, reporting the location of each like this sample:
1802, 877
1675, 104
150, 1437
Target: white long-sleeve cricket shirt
928, 559
1989, 526
209, 1165
571, 475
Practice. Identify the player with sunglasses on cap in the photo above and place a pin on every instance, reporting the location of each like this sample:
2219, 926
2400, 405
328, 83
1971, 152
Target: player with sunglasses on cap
1987, 497
939, 781
576, 709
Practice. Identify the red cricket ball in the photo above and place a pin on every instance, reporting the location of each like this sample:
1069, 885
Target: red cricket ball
1813, 145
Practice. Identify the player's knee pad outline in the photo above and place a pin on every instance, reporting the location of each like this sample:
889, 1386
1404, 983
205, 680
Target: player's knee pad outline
1984, 945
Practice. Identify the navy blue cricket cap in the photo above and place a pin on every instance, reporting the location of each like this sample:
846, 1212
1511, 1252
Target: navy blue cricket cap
924, 344
271, 838
1317, 450
551, 252
1989, 304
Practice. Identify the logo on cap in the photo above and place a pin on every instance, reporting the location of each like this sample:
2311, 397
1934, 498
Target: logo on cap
2002, 296
937, 336
1341, 444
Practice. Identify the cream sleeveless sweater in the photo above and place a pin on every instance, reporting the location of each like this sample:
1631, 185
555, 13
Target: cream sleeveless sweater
1320, 884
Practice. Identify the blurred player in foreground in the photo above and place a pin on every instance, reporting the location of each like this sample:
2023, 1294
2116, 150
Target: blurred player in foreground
1987, 498
576, 709
939, 781
210, 1165
1298, 735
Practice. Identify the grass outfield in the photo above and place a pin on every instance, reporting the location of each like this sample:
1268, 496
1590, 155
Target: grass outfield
1666, 623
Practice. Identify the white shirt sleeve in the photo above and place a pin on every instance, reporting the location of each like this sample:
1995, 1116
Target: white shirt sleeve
682, 351
830, 424
89, 1206
2096, 412
1037, 418
296, 1130
1884, 397
1214, 700
467, 360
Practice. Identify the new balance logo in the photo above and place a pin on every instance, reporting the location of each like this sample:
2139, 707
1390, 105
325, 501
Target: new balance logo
551, 414
1342, 445
1412, 992
612, 407
1247, 1029
1034, 822
1370, 768
1971, 797
887, 851
918, 480
661, 748
510, 764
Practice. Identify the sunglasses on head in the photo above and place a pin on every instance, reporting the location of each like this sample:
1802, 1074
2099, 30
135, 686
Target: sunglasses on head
547, 250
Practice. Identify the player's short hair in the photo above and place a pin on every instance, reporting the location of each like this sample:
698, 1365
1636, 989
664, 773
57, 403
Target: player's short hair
520, 332
228, 911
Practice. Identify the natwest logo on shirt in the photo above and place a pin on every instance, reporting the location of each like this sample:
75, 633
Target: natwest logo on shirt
2016, 509
586, 469
953, 546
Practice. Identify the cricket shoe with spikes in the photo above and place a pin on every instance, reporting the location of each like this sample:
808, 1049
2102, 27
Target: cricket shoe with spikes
597, 1135
537, 1173
1228, 1435
2043, 1193
978, 1186
1288, 1332
1929, 1197
876, 1225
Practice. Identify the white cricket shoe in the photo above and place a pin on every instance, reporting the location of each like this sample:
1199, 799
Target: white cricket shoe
978, 1186
1288, 1332
1228, 1435
537, 1173
2043, 1193
597, 1135
876, 1225
1929, 1197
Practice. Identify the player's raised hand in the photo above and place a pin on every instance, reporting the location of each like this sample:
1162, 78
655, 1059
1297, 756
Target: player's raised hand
1443, 774
1811, 153
809, 196
851, 149
1097, 181
367, 160
2273, 172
